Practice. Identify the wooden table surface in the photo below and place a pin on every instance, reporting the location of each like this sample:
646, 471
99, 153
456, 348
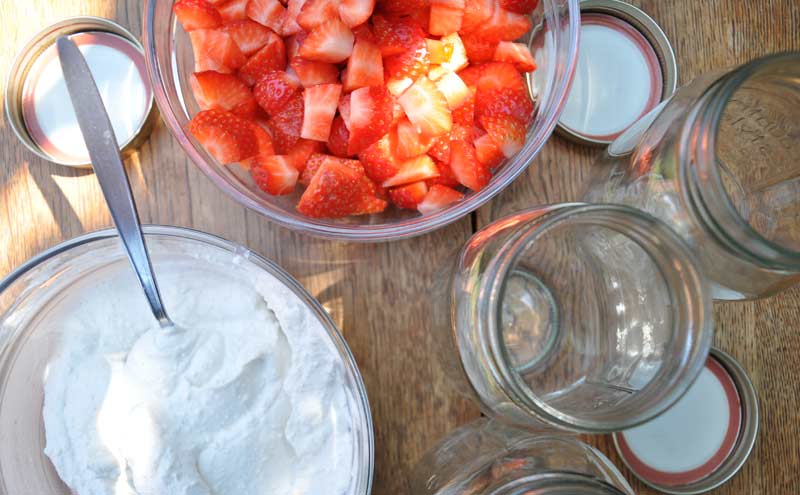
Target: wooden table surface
384, 313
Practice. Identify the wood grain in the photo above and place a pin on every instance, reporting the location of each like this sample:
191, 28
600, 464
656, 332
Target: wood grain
384, 313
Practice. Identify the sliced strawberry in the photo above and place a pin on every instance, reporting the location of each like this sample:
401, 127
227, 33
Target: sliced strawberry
438, 198
466, 167
440, 148
316, 12
371, 115
465, 113
515, 53
233, 10
453, 89
263, 138
506, 132
396, 35
487, 152
408, 142
426, 108
519, 6
505, 101
319, 109
438, 52
409, 196
398, 86
444, 19
379, 162
224, 91
196, 14
313, 165
411, 64
454, 45
500, 75
331, 42
274, 90
471, 75
289, 119
272, 56
355, 12
282, 142
476, 12
302, 150
313, 73
248, 35
413, 170
274, 174
269, 13
446, 176
339, 138
290, 25
365, 65
344, 109
338, 191
227, 137
316, 160
478, 49
217, 46
504, 26
402, 6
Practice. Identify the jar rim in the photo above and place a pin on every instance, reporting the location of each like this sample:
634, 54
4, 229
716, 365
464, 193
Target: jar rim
692, 306
554, 483
713, 204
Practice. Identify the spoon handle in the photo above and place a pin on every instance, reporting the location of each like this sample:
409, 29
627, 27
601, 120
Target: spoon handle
104, 153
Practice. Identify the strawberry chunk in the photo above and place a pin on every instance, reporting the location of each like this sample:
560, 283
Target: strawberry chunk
216, 48
269, 13
465, 113
284, 143
471, 75
274, 91
379, 162
478, 49
272, 56
426, 108
440, 148
316, 160
408, 142
438, 198
301, 151
339, 138
289, 119
445, 19
313, 73
409, 196
344, 109
465, 166
438, 52
519, 6
233, 10
410, 64
316, 12
320, 104
337, 191
500, 75
355, 12
227, 137
365, 65
413, 170
396, 35
290, 25
224, 91
331, 42
273, 174
196, 14
507, 133
504, 26
476, 13
454, 46
402, 6
446, 176
454, 90
248, 35
371, 115
263, 138
487, 152
515, 53
511, 102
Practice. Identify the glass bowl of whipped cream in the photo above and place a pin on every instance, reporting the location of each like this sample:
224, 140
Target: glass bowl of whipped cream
254, 393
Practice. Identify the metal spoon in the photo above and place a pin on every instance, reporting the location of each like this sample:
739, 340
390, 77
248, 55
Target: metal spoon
104, 153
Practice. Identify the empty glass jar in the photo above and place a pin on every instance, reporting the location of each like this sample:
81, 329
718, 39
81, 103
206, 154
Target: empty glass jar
488, 458
720, 163
584, 317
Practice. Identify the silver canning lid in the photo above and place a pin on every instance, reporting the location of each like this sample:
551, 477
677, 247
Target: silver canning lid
726, 457
31, 77
623, 40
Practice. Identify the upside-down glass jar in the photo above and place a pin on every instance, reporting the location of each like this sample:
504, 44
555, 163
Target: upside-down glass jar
720, 163
489, 458
590, 318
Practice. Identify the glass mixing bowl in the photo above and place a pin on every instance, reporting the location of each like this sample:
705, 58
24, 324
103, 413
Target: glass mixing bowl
554, 42
32, 290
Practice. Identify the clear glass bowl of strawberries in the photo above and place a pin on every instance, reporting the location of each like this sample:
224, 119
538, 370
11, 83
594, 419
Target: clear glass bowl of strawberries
361, 119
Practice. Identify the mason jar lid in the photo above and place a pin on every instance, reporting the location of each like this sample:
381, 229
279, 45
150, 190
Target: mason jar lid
704, 439
625, 68
38, 106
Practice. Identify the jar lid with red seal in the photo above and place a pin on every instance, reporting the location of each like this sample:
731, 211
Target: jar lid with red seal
38, 106
626, 67
704, 439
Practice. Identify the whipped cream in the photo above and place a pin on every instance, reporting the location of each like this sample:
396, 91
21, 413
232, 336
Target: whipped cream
248, 397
